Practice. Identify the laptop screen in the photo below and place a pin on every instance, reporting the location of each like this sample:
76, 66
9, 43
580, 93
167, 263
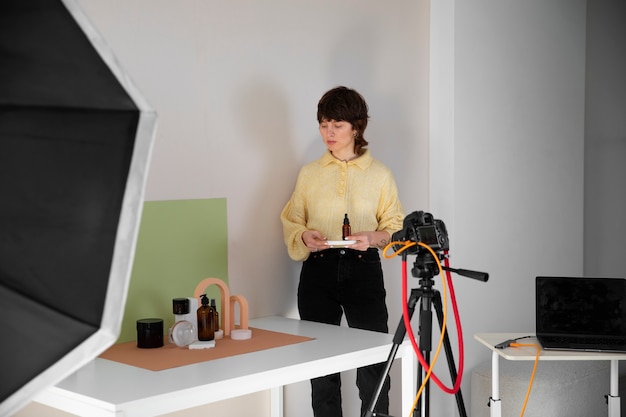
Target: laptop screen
581, 306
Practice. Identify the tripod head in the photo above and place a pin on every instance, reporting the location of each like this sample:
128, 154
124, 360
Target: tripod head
425, 268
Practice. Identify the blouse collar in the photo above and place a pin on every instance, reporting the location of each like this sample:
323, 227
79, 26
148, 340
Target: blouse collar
362, 161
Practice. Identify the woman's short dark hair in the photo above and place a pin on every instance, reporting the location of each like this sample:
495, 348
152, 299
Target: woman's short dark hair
344, 104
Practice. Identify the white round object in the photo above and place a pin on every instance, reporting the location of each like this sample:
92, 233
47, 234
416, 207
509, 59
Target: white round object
340, 243
240, 334
183, 333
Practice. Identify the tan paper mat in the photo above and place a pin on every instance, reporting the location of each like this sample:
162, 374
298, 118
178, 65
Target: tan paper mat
172, 356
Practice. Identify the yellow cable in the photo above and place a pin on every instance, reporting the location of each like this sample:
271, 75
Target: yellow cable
405, 246
532, 377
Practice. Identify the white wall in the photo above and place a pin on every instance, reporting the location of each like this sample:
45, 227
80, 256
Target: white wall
236, 86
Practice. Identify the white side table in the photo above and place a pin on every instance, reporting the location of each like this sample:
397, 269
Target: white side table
490, 340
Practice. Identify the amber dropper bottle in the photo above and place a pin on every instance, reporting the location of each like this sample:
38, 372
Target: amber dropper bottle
216, 324
345, 230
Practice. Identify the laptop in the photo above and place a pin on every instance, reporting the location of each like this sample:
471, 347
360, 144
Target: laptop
587, 314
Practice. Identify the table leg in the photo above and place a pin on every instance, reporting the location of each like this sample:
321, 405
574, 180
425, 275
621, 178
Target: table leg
409, 383
494, 402
276, 401
613, 399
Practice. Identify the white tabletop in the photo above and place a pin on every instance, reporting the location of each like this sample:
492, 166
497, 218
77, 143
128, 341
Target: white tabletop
523, 353
104, 387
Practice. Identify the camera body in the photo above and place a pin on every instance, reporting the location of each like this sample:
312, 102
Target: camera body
420, 226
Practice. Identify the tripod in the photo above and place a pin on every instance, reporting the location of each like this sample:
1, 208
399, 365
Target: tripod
424, 267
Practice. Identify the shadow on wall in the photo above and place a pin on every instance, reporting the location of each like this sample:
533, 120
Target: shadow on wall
255, 231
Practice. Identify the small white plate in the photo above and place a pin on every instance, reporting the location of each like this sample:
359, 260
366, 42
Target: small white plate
341, 243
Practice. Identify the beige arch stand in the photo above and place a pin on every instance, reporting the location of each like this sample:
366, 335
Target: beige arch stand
227, 305
242, 332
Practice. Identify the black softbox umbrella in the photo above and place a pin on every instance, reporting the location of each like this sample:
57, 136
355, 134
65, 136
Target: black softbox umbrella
75, 141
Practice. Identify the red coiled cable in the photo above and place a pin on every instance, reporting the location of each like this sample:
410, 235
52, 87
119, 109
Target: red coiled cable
407, 324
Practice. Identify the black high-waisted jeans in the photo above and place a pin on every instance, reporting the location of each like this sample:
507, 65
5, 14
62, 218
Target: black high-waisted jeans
338, 281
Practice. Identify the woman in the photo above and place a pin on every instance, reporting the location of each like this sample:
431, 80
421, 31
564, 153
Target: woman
346, 279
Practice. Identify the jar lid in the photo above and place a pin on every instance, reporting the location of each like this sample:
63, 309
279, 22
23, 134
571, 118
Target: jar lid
151, 324
180, 305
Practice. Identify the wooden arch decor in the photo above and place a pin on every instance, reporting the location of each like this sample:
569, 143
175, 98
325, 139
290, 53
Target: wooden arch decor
227, 304
243, 311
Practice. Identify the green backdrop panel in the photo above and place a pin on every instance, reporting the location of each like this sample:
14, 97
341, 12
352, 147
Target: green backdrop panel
180, 243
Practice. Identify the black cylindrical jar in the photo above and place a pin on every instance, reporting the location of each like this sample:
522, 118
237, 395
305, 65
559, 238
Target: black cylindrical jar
149, 333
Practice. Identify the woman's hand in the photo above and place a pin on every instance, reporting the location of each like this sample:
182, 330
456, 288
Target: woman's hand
362, 241
366, 240
314, 240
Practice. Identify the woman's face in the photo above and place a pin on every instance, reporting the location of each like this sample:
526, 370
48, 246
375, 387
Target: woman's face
338, 137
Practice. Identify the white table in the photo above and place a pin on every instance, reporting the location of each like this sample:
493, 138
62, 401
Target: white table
108, 388
490, 340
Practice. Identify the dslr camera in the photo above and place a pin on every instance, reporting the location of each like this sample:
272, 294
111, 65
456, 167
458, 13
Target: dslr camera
422, 227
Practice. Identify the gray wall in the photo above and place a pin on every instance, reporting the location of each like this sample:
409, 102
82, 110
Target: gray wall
539, 148
510, 181
605, 139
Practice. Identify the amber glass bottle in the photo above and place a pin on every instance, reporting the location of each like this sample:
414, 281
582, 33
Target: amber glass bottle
345, 230
206, 320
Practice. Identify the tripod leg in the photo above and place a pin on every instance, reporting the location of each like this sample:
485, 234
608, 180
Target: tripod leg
449, 355
398, 338
423, 404
425, 345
